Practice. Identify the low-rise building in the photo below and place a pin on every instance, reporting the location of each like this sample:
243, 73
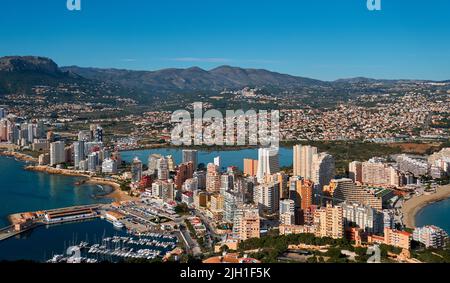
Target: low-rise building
431, 236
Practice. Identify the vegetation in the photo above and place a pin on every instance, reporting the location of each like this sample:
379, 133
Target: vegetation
182, 209
269, 248
432, 255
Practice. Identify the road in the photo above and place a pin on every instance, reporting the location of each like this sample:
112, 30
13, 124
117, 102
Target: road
192, 245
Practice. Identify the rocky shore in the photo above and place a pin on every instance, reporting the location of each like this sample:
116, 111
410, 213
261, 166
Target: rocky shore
117, 194
19, 156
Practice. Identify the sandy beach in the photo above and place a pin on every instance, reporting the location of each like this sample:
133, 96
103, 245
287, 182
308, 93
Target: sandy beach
117, 194
415, 204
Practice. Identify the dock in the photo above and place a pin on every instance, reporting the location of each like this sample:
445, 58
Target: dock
27, 221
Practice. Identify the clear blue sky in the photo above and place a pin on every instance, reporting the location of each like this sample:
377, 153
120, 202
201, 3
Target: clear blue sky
324, 39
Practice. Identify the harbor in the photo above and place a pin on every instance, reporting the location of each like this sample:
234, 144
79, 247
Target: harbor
149, 246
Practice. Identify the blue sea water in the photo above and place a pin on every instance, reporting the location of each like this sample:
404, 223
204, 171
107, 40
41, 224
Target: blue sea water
22, 191
228, 158
42, 243
437, 213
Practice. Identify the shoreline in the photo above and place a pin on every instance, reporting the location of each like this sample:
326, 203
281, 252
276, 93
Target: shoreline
116, 194
19, 156
412, 206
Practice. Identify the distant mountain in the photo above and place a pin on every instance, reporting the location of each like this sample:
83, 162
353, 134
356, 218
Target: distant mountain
194, 78
358, 80
21, 73
28, 63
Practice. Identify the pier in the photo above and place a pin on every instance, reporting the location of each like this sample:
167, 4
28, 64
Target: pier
10, 231
48, 217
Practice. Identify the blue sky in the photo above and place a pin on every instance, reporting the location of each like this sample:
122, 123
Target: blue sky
324, 39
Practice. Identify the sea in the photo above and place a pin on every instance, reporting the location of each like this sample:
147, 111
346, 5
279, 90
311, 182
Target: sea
437, 213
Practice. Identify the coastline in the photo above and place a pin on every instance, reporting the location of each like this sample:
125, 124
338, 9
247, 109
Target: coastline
117, 194
414, 205
19, 156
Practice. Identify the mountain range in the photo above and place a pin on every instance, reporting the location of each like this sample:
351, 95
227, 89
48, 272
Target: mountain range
20, 73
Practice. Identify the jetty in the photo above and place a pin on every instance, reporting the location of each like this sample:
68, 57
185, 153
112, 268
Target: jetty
22, 222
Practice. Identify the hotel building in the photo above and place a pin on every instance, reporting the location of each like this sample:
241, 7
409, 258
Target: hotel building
431, 236
250, 167
268, 163
329, 222
246, 224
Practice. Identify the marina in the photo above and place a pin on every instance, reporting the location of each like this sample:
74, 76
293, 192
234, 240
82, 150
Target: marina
98, 241
150, 246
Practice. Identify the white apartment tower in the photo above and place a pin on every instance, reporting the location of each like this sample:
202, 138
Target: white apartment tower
268, 163
303, 157
57, 154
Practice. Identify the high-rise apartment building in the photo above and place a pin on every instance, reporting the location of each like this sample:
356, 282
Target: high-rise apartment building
190, 155
231, 203
378, 173
329, 222
250, 167
322, 170
153, 163
212, 178
78, 148
183, 172
3, 130
355, 171
136, 170
268, 163
162, 167
267, 196
57, 153
302, 162
287, 212
93, 161
368, 219
344, 190
431, 236
246, 223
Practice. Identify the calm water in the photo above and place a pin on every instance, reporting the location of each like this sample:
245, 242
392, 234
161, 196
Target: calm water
22, 191
42, 243
229, 158
437, 214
